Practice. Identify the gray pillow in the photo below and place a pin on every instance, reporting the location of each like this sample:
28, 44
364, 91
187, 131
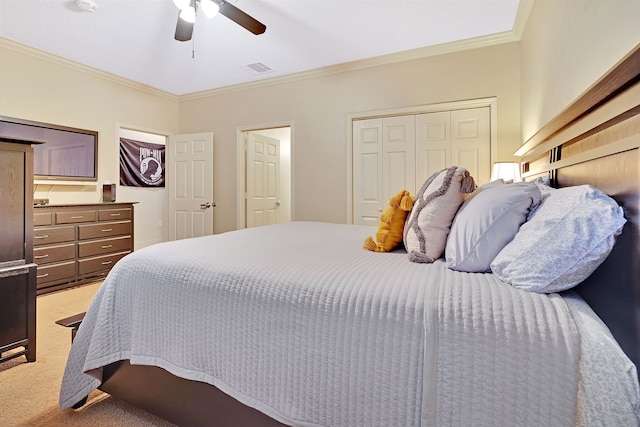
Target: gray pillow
486, 222
566, 239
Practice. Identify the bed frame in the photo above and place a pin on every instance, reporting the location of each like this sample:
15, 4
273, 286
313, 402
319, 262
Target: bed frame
594, 141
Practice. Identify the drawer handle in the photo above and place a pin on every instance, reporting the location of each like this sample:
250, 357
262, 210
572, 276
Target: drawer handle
106, 230
107, 246
115, 214
40, 276
44, 236
77, 217
40, 256
106, 262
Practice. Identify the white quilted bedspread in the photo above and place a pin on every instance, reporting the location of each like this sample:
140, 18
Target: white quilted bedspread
300, 322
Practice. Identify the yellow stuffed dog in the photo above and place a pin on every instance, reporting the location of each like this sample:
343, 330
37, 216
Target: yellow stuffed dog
389, 233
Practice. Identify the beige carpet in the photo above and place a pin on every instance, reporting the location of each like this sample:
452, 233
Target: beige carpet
29, 391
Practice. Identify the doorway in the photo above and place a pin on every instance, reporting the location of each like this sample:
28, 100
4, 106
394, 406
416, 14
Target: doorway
254, 169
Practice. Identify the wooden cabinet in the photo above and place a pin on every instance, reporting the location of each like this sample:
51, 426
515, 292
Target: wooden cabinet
17, 270
75, 244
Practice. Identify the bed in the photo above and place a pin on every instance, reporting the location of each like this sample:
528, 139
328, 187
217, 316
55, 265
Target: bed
296, 324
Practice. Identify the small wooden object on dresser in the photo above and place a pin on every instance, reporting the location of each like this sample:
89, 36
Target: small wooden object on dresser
75, 244
17, 270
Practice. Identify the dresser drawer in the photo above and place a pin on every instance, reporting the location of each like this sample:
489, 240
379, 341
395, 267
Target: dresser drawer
46, 236
114, 214
94, 265
104, 246
49, 254
107, 229
42, 218
53, 272
75, 217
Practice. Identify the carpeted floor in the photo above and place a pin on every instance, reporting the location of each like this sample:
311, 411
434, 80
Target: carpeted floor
29, 391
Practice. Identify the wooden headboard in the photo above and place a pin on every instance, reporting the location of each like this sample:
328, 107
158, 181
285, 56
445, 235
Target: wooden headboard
596, 141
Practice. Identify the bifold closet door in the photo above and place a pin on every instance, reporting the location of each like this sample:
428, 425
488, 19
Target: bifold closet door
457, 137
383, 164
397, 153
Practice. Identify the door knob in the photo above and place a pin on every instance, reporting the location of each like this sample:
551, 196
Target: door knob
278, 202
206, 205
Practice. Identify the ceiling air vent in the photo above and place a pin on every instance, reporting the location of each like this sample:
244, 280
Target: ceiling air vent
258, 68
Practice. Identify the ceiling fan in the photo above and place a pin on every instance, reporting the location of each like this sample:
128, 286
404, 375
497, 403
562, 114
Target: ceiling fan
189, 9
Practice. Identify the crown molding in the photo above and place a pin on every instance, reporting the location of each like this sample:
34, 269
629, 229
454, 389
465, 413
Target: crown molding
58, 60
423, 52
522, 17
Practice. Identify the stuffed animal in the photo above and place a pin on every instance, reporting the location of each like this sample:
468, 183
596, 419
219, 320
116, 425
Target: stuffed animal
391, 226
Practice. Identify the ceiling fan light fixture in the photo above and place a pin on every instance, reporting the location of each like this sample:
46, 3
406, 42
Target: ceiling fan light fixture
181, 4
86, 5
188, 14
210, 8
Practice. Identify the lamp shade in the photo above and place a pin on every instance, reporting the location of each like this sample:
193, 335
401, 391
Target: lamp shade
507, 171
181, 4
209, 8
188, 14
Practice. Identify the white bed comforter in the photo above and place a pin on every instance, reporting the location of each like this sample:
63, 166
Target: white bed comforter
298, 321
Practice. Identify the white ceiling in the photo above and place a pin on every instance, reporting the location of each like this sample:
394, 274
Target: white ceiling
134, 38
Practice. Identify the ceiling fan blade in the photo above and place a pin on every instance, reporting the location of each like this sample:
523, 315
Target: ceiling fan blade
184, 30
241, 18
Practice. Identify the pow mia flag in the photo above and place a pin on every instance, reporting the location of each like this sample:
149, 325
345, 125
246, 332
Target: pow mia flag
141, 163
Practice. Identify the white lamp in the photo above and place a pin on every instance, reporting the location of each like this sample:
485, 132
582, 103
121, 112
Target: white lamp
507, 171
188, 8
210, 8
188, 14
181, 4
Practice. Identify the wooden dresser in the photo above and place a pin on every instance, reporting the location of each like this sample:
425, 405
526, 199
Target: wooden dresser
17, 270
75, 244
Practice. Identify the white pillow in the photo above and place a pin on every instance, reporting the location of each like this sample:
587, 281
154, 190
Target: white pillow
567, 238
427, 227
486, 222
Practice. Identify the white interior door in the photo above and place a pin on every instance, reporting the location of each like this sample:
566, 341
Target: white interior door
263, 179
190, 185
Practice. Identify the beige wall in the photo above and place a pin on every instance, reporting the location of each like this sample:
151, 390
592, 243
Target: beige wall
319, 106
36, 86
566, 46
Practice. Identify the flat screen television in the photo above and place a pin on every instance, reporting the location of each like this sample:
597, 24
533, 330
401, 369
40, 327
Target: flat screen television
68, 154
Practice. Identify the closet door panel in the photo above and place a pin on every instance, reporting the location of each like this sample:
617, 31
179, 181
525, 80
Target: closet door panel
398, 150
433, 144
367, 171
470, 141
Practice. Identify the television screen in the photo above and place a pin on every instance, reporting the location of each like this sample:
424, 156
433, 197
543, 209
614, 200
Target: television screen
67, 154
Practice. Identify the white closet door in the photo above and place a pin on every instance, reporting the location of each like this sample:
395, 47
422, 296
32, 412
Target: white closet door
367, 171
383, 164
433, 144
398, 150
397, 153
471, 141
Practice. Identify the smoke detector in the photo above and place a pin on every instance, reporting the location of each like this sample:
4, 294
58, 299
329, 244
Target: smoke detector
86, 5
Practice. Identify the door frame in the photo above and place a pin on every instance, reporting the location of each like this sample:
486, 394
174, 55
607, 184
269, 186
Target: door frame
241, 203
491, 102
